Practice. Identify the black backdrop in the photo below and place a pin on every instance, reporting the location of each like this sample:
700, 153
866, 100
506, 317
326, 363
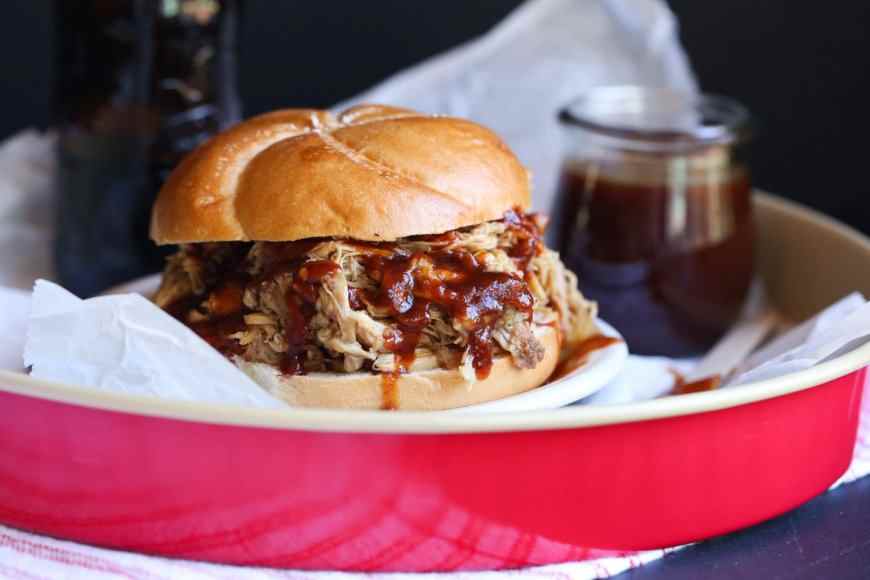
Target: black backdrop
801, 67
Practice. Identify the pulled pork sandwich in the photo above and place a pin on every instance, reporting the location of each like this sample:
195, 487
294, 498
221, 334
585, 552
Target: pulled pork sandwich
380, 258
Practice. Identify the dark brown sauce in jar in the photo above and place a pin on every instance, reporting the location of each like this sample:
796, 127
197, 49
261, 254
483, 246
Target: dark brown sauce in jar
655, 211
669, 267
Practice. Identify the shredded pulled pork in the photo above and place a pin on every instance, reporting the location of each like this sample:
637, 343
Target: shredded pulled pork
453, 300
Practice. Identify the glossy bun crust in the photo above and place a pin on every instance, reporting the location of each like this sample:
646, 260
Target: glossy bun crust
369, 173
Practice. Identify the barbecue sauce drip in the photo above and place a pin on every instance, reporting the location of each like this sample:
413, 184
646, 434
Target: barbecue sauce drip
528, 229
307, 277
389, 391
579, 354
684, 387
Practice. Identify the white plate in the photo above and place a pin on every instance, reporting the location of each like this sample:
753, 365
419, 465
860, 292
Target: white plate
601, 367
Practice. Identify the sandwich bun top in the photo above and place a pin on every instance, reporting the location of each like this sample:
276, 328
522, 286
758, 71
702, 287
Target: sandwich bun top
372, 173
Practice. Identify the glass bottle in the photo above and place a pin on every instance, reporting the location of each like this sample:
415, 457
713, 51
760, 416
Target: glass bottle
139, 83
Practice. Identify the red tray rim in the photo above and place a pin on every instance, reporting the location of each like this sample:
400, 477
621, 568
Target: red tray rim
427, 422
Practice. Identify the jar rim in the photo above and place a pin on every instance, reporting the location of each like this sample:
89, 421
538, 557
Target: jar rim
717, 119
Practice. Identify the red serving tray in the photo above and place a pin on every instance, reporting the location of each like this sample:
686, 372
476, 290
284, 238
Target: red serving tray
314, 489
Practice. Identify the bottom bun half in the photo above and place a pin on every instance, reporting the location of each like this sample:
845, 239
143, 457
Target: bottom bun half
430, 390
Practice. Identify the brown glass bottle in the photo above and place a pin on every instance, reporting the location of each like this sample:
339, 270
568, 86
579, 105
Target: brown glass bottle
139, 83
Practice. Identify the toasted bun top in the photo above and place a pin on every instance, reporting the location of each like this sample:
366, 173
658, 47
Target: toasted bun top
371, 173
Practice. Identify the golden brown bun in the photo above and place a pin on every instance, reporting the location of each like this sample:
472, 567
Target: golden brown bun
371, 173
417, 391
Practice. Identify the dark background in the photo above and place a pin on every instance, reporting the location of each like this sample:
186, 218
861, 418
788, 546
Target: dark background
801, 67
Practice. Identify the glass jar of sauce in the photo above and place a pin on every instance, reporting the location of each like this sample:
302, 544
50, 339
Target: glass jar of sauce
654, 213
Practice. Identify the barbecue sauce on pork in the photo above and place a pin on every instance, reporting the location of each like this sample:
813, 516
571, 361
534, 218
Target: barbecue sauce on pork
409, 284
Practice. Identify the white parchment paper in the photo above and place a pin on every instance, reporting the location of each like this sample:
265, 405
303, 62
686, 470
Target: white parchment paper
124, 343
840, 328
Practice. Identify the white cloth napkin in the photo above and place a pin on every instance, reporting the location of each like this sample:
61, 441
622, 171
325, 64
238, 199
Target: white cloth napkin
26, 209
14, 306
